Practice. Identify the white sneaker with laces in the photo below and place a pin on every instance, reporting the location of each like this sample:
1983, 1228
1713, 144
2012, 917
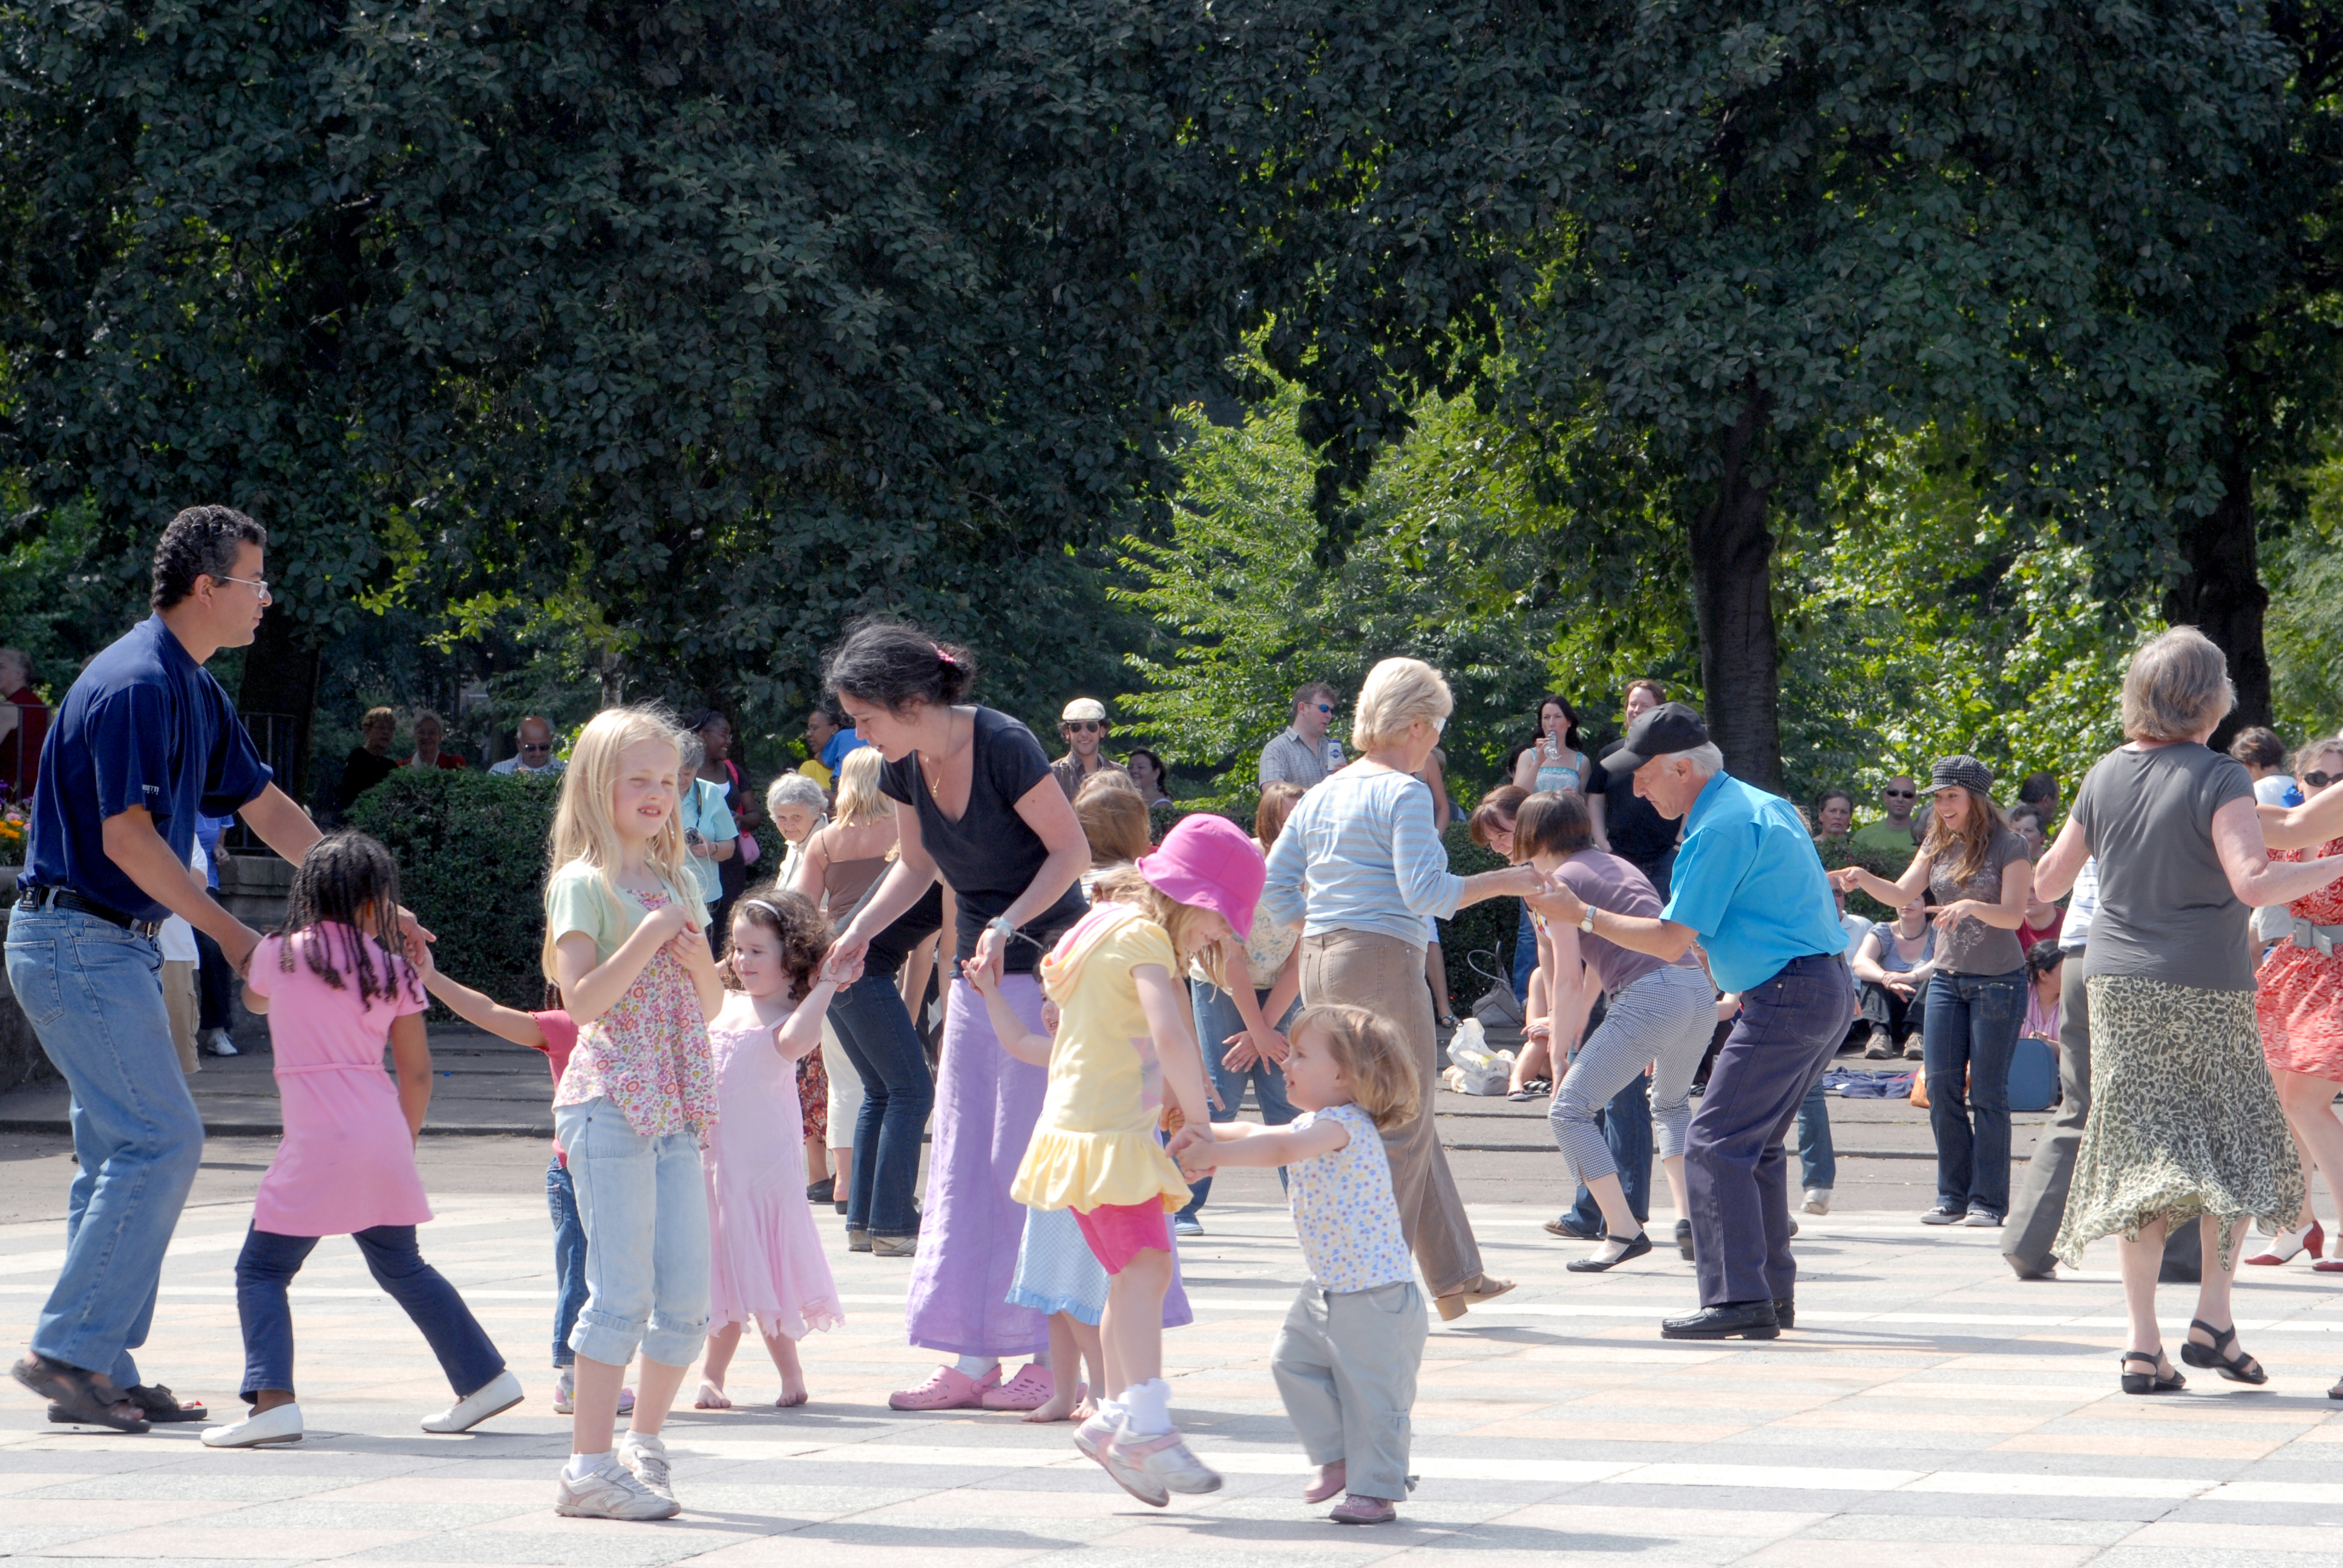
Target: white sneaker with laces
497, 1395
219, 1043
564, 1388
646, 1455
1163, 1458
265, 1430
609, 1491
1818, 1200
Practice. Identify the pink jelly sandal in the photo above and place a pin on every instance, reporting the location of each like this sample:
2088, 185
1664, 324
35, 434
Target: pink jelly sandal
1031, 1389
950, 1389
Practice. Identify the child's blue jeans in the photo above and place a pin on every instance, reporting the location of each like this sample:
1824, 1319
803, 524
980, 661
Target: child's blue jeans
568, 1259
267, 1267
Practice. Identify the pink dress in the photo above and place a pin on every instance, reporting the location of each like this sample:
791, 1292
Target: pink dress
766, 1263
348, 1162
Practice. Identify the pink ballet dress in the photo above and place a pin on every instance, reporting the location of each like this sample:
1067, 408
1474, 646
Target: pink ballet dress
765, 1259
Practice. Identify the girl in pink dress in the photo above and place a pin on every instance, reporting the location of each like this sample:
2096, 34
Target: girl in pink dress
765, 1259
335, 987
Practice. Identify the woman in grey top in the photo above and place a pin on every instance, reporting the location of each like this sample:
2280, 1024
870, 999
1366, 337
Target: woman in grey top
2185, 1123
1980, 874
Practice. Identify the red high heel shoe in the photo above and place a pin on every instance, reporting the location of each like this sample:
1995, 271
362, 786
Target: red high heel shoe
2283, 1248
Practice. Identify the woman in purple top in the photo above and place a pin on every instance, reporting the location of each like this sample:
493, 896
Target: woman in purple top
1659, 1014
986, 814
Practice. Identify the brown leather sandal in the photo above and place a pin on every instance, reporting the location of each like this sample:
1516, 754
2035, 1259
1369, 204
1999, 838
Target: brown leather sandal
1457, 1303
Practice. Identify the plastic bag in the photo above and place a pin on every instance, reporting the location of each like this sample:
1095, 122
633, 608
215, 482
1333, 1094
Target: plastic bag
1474, 1067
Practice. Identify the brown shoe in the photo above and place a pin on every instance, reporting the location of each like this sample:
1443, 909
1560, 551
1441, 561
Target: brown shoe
1457, 1303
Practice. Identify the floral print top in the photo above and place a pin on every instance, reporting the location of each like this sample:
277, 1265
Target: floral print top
648, 1055
1344, 1210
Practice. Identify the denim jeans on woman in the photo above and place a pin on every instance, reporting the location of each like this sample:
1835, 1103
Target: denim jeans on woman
874, 1029
265, 1270
1971, 1031
1217, 1019
644, 1202
93, 992
568, 1259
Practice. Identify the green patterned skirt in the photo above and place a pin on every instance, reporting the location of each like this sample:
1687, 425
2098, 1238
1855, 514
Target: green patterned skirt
2184, 1120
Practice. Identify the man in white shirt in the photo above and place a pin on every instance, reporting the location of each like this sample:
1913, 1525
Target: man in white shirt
1303, 753
535, 738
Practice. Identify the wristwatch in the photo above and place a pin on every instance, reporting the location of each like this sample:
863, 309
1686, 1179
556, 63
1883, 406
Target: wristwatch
1586, 920
1003, 924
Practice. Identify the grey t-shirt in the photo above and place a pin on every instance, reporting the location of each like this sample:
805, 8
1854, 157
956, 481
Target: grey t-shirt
1971, 947
2166, 911
1614, 885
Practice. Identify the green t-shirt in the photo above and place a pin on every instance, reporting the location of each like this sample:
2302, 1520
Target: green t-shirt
1884, 835
579, 898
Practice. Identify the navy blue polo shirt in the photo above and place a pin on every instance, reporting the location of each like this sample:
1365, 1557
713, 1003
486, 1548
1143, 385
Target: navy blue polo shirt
144, 726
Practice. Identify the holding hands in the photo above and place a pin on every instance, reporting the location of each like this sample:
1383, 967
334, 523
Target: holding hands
1192, 1148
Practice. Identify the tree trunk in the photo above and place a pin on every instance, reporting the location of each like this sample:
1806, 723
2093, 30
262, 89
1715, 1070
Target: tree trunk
279, 697
2219, 591
1733, 602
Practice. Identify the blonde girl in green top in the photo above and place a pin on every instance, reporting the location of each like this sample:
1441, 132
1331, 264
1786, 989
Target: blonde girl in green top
624, 940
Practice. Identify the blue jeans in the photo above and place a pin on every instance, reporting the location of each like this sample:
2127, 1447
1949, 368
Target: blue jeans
1817, 1156
568, 1259
875, 1032
1626, 1122
1971, 1030
1217, 1019
1524, 957
93, 994
266, 1269
644, 1204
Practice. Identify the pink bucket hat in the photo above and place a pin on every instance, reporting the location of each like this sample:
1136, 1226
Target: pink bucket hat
1209, 861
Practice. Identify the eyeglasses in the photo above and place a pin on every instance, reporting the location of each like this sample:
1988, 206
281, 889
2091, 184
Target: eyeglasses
2321, 781
536, 746
1901, 794
1086, 725
258, 585
1322, 707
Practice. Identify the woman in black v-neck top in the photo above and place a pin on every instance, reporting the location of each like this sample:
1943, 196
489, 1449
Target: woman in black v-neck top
1011, 854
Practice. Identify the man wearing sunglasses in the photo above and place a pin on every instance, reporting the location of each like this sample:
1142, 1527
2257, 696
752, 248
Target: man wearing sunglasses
1083, 727
1897, 830
535, 738
1302, 752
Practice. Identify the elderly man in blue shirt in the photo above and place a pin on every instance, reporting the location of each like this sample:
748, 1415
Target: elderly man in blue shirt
1749, 887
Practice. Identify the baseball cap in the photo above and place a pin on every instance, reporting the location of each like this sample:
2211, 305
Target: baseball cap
1670, 727
1082, 707
1966, 771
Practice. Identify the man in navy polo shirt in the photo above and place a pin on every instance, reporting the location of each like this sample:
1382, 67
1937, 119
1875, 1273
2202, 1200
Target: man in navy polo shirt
1750, 887
145, 744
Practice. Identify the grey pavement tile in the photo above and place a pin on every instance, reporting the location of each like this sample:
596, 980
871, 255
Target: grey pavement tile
605, 1545
1972, 1528
913, 1531
219, 1484
1960, 1506
345, 1514
2307, 1515
2201, 1557
81, 1561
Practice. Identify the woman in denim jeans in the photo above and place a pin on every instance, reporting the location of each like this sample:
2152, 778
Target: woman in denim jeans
1978, 872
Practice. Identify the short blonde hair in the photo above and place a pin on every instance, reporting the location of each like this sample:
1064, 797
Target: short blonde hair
1372, 1055
584, 827
859, 798
1398, 692
2177, 687
389, 715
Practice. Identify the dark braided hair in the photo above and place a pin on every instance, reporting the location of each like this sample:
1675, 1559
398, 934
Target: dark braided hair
801, 928
349, 881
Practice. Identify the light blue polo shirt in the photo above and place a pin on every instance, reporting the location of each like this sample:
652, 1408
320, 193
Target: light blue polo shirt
1748, 880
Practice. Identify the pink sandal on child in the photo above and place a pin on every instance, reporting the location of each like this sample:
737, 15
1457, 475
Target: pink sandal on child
950, 1389
1031, 1389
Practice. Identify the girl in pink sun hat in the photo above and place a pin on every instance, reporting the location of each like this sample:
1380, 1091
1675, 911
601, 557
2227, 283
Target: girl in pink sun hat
1124, 1040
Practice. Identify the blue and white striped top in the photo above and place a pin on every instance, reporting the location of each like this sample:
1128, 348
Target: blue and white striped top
1359, 854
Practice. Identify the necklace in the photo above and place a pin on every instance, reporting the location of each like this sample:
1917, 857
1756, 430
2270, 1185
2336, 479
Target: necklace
935, 776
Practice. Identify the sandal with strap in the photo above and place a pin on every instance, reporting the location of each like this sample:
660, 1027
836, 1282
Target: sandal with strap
2152, 1381
2237, 1368
78, 1398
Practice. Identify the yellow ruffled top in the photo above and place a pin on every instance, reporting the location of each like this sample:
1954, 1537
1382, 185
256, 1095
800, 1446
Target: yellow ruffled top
1095, 1142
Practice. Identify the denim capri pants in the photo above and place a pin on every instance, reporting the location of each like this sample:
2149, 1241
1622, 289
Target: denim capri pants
644, 1205
1663, 1021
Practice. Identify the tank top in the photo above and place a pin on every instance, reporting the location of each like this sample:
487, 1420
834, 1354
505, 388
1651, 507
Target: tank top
1553, 774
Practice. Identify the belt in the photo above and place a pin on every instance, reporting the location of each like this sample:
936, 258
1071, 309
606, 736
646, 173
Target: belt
2319, 939
66, 899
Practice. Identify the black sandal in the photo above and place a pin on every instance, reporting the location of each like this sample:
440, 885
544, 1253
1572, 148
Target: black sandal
163, 1406
2237, 1368
77, 1398
2153, 1381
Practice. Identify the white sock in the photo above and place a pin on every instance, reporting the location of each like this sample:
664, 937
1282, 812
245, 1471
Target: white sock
1147, 1407
1110, 1411
976, 1366
582, 1465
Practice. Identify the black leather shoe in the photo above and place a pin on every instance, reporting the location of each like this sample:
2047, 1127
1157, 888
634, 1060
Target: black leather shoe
1564, 1225
1732, 1320
1683, 1239
1785, 1312
1635, 1249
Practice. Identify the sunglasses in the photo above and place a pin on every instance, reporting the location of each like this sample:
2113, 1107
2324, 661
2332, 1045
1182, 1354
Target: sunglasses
1901, 794
532, 746
1085, 725
2321, 781
1322, 707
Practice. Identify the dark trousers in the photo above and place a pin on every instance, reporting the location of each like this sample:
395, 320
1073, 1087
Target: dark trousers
568, 1259
1883, 1008
1627, 1124
2041, 1205
1789, 1029
875, 1032
266, 1269
214, 978
1973, 1023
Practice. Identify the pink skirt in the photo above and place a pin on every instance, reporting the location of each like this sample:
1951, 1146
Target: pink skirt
765, 1262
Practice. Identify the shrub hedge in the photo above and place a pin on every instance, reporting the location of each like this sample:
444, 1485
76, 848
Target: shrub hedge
1488, 928
1888, 863
470, 847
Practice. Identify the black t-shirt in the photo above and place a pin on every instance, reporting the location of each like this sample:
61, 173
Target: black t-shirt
990, 857
1636, 832
891, 947
361, 771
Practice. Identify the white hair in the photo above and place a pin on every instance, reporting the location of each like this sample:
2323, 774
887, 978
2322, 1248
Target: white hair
1705, 758
794, 789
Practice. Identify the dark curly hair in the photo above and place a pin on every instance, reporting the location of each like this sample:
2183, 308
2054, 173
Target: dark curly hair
201, 542
801, 928
348, 881
894, 665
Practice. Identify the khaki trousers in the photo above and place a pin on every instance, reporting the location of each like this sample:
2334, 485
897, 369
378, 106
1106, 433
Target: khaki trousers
1385, 976
180, 1002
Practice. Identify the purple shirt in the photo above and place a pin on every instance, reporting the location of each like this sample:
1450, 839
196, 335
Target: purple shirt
1614, 885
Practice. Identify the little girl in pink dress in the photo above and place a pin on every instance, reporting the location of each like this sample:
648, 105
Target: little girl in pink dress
765, 1256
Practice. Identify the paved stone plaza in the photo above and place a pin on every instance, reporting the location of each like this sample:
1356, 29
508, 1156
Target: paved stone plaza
1928, 1409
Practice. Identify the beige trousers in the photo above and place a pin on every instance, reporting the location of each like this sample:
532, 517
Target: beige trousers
1385, 976
179, 1001
845, 1089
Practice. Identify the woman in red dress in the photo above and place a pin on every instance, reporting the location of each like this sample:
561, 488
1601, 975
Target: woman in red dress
2298, 1002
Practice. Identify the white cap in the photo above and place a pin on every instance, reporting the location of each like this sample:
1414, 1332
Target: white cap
1084, 708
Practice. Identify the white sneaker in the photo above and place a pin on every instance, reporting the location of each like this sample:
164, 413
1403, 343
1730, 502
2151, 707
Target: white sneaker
608, 1491
217, 1041
565, 1394
646, 1455
1163, 1458
499, 1394
1818, 1200
264, 1429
